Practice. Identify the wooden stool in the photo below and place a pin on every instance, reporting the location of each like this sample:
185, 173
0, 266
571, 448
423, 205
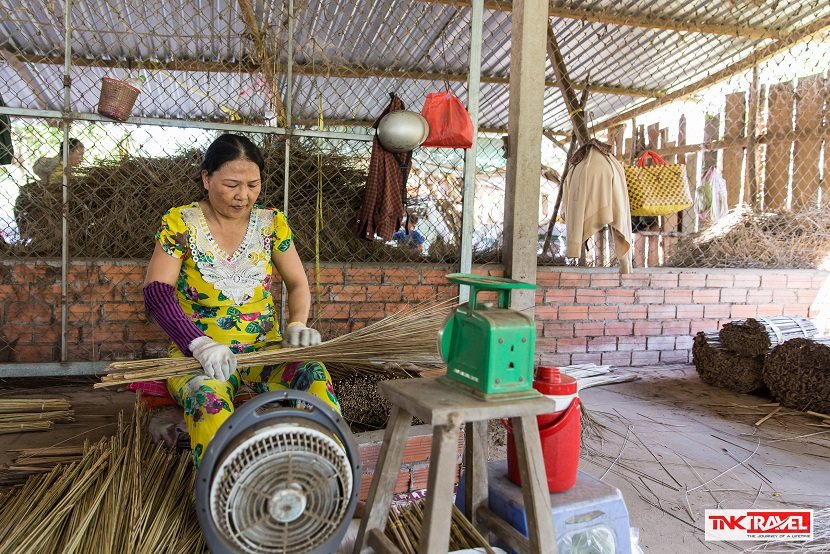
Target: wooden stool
446, 408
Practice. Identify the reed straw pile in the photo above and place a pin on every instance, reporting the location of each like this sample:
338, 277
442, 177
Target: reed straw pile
33, 461
797, 374
755, 336
723, 368
408, 337
404, 530
18, 415
124, 494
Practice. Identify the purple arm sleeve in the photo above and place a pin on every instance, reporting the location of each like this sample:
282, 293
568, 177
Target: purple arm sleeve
160, 301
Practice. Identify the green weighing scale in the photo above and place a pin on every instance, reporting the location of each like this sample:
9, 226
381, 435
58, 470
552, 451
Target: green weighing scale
489, 348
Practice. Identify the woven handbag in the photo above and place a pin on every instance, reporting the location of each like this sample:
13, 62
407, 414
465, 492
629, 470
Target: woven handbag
657, 189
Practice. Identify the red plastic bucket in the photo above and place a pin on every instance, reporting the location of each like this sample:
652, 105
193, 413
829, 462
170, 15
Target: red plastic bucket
560, 449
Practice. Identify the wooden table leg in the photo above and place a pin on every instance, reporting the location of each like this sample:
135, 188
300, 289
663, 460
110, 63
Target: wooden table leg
435, 530
385, 477
475, 470
534, 485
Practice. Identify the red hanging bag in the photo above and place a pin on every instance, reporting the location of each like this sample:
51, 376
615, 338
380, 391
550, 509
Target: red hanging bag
450, 125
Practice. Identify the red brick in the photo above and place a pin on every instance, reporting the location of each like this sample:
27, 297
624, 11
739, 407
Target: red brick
560, 296
773, 280
799, 280
374, 310
704, 296
589, 358
743, 311
371, 276
619, 296
401, 276
383, 293
633, 311
662, 312
796, 309
677, 327
539, 296
759, 296
662, 280
683, 343
649, 296
637, 279
674, 356
31, 353
660, 343
704, 325
573, 312
602, 312
678, 296
696, 279
690, 311
331, 275
334, 311
369, 453
733, 295
559, 329
618, 328
417, 449
30, 312
590, 296
347, 293
648, 328
554, 359
716, 311
602, 344
547, 277
747, 280
546, 313
434, 277
564, 345
445, 292
626, 344
574, 279
807, 296
819, 280
770, 309
784, 296
419, 293
545, 344
394, 307
617, 359
589, 329
720, 280
605, 280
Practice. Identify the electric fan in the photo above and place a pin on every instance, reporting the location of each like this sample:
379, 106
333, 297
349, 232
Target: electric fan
278, 478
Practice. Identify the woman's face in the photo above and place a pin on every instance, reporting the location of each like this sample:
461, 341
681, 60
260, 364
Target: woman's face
76, 156
233, 188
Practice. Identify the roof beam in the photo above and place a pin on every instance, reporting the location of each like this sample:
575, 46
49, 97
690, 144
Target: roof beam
346, 72
754, 58
634, 20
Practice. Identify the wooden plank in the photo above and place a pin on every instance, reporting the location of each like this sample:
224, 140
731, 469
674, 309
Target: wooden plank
686, 218
670, 223
534, 485
435, 531
733, 157
385, 476
653, 136
711, 132
437, 403
476, 488
381, 544
689, 216
777, 167
503, 530
619, 138
752, 153
809, 112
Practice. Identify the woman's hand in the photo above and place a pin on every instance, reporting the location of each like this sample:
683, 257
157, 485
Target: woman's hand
218, 362
297, 334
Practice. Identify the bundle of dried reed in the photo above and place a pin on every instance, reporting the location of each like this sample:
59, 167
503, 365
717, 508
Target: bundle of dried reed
797, 374
408, 336
17, 405
61, 416
123, 494
755, 336
403, 528
720, 367
22, 427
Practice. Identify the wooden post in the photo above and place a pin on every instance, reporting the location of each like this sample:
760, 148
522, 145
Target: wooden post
780, 120
711, 132
733, 157
752, 197
809, 101
563, 80
521, 206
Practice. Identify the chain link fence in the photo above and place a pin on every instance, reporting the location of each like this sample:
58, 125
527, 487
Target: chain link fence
740, 90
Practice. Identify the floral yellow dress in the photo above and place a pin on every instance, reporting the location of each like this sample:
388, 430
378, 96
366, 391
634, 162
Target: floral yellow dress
228, 297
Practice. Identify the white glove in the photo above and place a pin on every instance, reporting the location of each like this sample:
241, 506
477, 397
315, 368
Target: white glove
218, 362
297, 334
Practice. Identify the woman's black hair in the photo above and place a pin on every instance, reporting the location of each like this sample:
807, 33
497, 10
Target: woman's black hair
73, 144
228, 148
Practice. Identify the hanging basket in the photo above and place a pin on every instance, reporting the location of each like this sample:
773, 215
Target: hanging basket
117, 99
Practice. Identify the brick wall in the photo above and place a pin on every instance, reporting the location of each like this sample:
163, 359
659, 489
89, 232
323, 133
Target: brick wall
583, 315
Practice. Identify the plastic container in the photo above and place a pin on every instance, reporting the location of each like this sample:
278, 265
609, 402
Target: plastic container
117, 98
559, 431
589, 518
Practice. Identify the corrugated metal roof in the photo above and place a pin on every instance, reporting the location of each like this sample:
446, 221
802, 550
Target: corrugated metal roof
375, 35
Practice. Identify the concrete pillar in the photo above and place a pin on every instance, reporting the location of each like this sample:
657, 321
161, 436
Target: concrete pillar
527, 87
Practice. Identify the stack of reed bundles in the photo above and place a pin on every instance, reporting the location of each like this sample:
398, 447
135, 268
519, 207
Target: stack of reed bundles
720, 367
797, 374
755, 336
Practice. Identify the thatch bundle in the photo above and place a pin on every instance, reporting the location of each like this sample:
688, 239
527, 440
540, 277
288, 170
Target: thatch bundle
747, 239
719, 367
125, 494
797, 374
755, 336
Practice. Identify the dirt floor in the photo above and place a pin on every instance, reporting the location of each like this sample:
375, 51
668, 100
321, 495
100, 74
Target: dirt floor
673, 445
